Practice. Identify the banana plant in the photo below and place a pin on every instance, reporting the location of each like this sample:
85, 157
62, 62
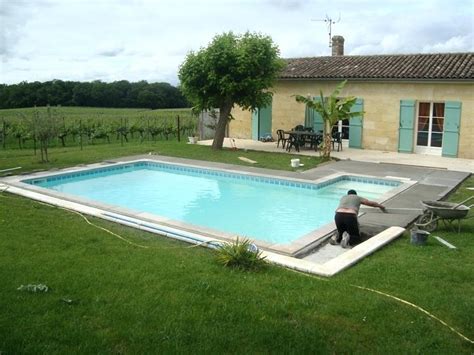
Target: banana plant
332, 109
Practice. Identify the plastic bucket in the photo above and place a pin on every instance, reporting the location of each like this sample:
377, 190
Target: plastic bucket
419, 237
295, 163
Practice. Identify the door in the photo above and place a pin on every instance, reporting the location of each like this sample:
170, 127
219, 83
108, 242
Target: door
430, 128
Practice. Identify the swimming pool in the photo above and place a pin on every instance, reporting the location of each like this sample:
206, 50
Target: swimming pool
272, 210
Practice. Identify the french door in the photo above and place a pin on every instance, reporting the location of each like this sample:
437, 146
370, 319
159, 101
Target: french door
430, 126
343, 128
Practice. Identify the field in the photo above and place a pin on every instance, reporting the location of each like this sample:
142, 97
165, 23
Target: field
79, 126
163, 296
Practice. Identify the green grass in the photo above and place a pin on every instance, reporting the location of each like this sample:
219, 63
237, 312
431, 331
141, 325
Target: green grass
69, 156
171, 297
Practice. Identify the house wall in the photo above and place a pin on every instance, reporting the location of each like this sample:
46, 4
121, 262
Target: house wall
381, 106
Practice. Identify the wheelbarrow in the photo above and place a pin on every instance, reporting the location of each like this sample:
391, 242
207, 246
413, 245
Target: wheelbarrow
447, 212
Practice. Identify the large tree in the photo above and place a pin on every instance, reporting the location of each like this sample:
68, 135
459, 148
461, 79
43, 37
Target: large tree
332, 109
232, 70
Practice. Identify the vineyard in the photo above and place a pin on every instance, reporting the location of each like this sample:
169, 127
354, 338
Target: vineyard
43, 127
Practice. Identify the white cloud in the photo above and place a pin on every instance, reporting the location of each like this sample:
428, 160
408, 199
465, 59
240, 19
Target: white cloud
453, 44
148, 39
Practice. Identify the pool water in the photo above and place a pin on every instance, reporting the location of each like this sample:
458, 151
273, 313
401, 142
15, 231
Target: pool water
271, 210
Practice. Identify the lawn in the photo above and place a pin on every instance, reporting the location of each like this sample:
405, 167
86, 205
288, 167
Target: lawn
61, 157
109, 296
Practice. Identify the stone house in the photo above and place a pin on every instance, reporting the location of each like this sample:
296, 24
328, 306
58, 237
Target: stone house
412, 103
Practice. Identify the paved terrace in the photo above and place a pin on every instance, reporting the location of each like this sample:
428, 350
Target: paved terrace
363, 155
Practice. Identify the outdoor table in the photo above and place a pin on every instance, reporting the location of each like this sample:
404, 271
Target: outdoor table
298, 137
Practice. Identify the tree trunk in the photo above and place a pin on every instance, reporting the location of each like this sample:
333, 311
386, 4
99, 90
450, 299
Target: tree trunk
224, 114
327, 140
41, 150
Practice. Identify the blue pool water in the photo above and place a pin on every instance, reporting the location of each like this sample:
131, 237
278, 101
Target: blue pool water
272, 210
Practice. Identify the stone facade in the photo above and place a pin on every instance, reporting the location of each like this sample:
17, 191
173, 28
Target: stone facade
381, 106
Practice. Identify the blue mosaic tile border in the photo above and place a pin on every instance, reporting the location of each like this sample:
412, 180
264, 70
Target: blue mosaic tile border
84, 173
208, 172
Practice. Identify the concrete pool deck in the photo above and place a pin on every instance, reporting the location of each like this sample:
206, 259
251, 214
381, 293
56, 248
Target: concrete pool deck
361, 155
323, 259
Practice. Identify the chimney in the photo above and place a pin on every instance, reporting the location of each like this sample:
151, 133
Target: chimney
337, 45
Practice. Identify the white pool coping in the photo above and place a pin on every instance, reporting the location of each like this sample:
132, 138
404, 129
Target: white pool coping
280, 254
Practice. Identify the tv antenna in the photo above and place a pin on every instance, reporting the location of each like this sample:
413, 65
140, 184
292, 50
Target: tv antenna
329, 21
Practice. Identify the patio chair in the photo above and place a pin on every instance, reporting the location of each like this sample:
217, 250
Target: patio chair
316, 141
293, 141
337, 138
281, 138
308, 139
299, 128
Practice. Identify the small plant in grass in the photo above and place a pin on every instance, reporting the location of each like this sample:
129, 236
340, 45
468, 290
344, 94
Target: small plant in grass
241, 254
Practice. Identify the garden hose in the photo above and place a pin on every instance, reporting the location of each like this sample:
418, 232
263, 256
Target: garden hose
126, 240
418, 308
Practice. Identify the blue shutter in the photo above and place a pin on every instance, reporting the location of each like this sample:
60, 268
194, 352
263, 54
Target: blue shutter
452, 121
315, 117
255, 115
407, 124
265, 121
308, 117
355, 125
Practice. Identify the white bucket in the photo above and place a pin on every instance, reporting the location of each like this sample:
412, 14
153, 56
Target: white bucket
295, 163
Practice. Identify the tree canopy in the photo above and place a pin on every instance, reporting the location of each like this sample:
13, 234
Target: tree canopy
232, 70
119, 94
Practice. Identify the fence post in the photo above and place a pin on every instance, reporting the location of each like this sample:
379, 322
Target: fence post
4, 134
121, 135
179, 129
80, 132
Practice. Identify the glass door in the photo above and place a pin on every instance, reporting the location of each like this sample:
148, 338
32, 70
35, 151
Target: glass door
342, 127
430, 123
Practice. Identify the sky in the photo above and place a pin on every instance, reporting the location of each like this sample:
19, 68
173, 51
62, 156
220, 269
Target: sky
110, 40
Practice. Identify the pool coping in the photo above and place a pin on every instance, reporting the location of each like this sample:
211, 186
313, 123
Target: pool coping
282, 254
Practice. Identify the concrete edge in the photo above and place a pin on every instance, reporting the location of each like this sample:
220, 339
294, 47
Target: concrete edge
362, 250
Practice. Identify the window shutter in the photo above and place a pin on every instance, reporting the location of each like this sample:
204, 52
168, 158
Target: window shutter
308, 117
406, 128
452, 121
315, 117
355, 125
255, 133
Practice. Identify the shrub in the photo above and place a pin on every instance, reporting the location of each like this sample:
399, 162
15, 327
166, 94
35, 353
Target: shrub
241, 254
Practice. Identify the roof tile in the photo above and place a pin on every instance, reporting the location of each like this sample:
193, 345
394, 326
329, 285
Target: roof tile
441, 66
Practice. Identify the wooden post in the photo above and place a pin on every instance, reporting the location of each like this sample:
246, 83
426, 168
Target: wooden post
179, 128
4, 135
121, 134
80, 131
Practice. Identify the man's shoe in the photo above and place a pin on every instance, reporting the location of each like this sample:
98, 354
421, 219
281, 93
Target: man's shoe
333, 239
345, 240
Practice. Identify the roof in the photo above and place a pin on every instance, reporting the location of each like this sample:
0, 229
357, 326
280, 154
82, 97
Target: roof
441, 66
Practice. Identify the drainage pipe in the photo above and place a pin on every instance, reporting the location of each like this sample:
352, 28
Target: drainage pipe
163, 230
